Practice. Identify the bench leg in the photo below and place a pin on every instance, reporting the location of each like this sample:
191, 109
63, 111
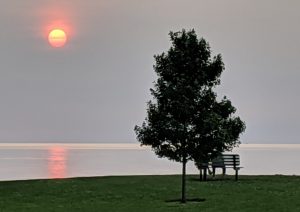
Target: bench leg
200, 175
224, 171
205, 174
236, 174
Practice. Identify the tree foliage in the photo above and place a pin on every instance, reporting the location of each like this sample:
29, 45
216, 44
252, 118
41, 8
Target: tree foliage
185, 121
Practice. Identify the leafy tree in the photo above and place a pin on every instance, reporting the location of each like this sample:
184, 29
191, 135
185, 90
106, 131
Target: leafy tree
185, 120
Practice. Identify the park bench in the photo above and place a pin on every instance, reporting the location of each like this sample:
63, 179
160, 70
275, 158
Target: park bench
223, 161
226, 161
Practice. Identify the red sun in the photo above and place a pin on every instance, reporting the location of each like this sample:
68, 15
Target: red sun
57, 38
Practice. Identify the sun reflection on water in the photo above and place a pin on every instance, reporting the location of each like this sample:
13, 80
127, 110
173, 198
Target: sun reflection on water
57, 162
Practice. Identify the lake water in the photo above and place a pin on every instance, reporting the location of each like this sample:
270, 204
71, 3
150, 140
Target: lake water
37, 161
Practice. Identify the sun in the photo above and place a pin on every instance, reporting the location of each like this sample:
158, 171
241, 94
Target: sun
57, 38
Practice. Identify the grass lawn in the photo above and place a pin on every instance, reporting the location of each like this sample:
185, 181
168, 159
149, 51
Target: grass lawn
152, 193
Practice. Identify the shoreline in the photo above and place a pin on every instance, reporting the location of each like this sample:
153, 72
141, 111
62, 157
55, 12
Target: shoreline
218, 177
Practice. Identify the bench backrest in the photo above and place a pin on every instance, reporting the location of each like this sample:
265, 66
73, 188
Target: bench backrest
230, 160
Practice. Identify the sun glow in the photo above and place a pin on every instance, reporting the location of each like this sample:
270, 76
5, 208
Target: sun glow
57, 162
57, 38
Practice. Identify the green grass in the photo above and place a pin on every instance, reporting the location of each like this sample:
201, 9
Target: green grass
152, 193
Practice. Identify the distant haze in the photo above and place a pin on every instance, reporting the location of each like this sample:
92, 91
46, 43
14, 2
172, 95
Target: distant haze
95, 89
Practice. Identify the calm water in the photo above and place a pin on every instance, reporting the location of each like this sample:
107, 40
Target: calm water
35, 161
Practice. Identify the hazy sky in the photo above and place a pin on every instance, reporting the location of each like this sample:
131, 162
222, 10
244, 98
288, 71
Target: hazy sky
95, 88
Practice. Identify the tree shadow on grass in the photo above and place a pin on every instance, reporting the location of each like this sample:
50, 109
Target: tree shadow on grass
217, 178
187, 200
208, 180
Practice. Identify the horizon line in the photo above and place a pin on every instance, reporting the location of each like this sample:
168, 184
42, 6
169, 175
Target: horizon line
116, 146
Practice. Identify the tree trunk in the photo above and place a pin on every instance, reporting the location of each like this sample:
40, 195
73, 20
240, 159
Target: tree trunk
183, 181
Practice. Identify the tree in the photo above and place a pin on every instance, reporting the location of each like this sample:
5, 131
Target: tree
185, 120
